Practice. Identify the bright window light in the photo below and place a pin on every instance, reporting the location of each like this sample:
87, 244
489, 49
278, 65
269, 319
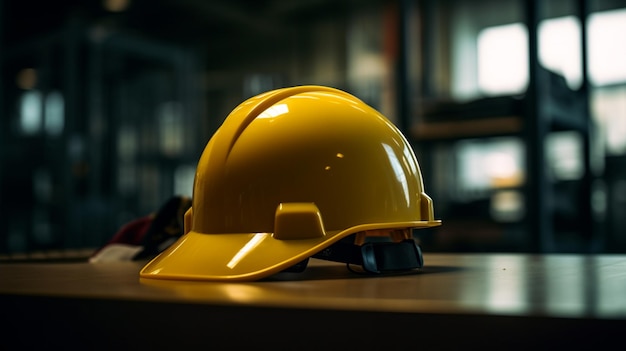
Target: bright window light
30, 112
560, 48
483, 165
503, 52
503, 59
565, 155
607, 47
609, 107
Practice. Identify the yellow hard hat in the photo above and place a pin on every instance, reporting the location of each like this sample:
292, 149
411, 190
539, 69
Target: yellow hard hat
299, 172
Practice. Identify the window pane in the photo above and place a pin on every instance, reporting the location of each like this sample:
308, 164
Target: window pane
30, 112
54, 114
560, 48
503, 59
607, 47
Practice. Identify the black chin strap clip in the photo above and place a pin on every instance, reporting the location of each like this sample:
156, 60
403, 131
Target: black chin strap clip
376, 257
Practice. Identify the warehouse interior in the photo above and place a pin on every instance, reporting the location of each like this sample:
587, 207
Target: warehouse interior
516, 109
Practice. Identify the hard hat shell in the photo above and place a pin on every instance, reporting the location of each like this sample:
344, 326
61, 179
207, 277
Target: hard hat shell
287, 174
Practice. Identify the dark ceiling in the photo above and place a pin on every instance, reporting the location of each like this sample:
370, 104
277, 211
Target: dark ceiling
187, 21
223, 30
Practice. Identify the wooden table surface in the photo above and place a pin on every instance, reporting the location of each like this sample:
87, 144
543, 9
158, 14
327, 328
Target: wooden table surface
517, 300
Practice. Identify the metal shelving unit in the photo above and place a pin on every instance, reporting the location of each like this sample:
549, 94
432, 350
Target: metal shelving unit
532, 117
113, 85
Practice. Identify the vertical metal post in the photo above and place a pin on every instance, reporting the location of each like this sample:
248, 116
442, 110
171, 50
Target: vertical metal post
71, 134
587, 230
401, 77
538, 192
3, 129
428, 33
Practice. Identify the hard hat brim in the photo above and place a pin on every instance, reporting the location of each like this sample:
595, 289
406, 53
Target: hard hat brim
244, 257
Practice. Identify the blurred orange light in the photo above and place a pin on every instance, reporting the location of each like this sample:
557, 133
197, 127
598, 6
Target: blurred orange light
26, 78
115, 5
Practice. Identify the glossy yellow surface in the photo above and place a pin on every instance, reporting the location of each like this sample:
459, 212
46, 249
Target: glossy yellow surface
287, 174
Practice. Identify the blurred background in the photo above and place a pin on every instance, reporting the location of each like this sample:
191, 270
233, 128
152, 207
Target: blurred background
516, 109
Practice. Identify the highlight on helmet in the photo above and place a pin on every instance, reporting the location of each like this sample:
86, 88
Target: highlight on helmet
300, 172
